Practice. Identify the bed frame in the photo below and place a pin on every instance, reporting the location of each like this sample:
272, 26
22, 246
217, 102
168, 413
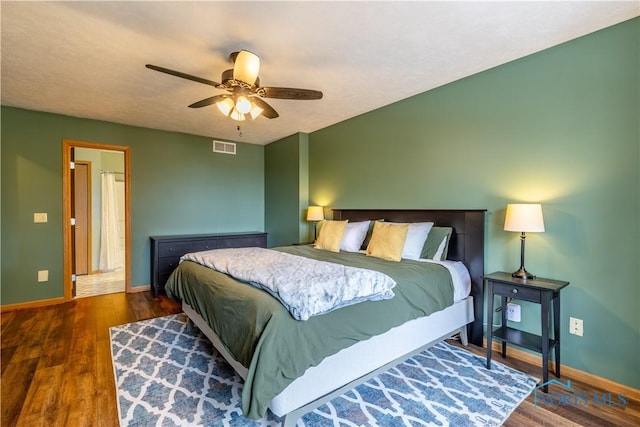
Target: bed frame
362, 361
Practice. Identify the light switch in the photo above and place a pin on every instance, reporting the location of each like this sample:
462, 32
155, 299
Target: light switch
40, 217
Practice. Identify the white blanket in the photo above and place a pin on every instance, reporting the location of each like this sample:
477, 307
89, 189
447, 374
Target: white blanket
306, 287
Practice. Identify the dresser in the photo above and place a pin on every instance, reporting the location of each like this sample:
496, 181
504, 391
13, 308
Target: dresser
167, 250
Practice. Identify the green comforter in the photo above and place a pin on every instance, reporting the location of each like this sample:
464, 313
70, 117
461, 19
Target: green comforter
261, 334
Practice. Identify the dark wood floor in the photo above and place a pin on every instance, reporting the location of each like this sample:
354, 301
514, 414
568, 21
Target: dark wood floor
56, 368
576, 412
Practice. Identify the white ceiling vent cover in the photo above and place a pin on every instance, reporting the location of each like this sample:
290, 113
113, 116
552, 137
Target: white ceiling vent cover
224, 147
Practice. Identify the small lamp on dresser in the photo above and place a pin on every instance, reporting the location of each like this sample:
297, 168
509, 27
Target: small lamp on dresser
315, 214
523, 218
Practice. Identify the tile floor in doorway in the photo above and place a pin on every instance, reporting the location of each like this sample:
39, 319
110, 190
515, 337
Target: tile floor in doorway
100, 283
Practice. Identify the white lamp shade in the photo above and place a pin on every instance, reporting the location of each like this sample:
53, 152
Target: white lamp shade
225, 106
243, 105
255, 111
315, 213
524, 218
236, 115
246, 67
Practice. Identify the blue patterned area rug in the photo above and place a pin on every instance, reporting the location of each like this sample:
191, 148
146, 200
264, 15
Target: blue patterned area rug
167, 375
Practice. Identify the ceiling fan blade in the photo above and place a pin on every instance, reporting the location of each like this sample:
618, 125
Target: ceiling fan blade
268, 110
182, 75
291, 93
208, 101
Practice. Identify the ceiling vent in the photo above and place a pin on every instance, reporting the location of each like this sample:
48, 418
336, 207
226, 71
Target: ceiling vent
224, 147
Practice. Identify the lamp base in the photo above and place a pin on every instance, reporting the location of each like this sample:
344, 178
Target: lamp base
522, 274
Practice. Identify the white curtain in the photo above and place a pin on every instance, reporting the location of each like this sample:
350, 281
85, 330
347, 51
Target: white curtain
110, 250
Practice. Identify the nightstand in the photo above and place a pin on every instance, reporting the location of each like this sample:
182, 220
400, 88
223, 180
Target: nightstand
545, 292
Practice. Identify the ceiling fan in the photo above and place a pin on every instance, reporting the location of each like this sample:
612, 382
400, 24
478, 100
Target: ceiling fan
245, 97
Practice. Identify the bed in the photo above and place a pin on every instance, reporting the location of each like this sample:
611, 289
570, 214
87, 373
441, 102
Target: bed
293, 366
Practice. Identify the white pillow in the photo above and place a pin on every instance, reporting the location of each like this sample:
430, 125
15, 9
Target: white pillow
416, 236
354, 236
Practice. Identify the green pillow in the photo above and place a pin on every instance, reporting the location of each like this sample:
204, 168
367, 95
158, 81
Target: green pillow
367, 238
433, 242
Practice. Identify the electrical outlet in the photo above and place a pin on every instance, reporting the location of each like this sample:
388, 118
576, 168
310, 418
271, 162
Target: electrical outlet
513, 312
575, 326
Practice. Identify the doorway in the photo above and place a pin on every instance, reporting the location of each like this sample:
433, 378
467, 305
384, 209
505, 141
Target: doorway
97, 219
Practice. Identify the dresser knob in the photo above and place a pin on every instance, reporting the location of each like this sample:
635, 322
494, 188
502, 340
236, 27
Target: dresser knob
515, 291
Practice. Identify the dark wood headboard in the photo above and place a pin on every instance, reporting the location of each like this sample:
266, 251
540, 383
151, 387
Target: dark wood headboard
466, 245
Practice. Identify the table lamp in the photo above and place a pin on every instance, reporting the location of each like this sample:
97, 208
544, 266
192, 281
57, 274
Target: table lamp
523, 218
315, 214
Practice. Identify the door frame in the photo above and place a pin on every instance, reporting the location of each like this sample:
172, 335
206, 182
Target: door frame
67, 241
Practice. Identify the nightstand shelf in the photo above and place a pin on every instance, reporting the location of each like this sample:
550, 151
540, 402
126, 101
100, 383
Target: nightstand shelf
545, 292
521, 338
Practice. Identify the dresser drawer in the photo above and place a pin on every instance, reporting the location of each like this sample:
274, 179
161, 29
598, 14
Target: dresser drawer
517, 292
168, 264
166, 249
244, 242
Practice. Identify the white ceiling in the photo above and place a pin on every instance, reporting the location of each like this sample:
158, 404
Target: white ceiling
87, 59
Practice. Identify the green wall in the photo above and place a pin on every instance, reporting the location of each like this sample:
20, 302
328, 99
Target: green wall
178, 185
286, 190
559, 127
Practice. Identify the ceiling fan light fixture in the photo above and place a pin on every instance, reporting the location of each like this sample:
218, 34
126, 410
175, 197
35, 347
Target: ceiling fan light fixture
246, 67
235, 111
236, 115
255, 111
243, 105
225, 106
